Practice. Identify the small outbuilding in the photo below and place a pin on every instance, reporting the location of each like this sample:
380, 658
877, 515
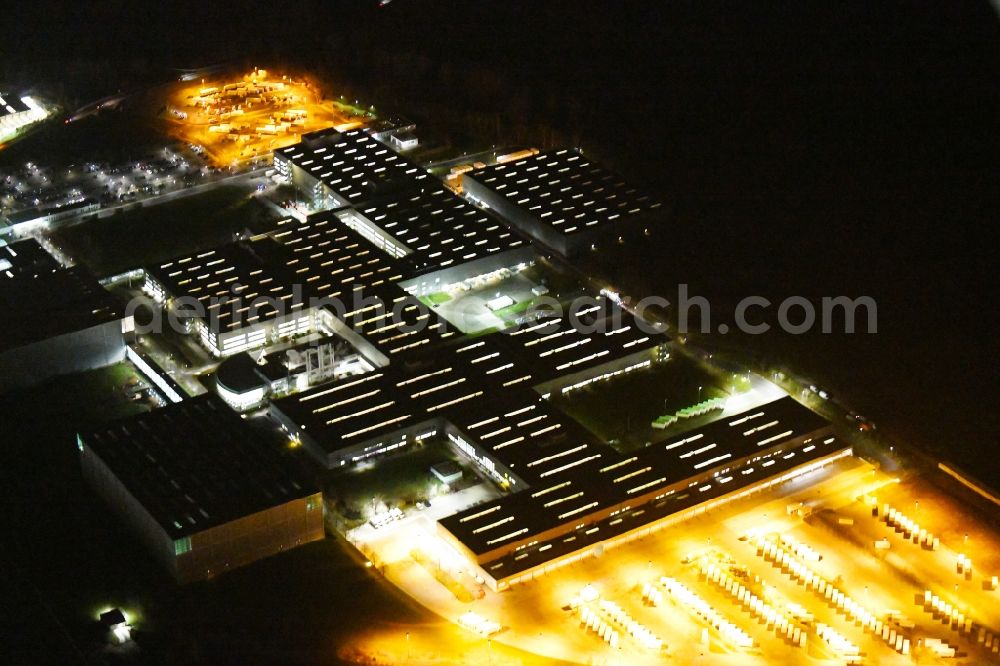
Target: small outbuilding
447, 471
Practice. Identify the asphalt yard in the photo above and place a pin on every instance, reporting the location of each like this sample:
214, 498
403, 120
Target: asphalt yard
469, 310
791, 574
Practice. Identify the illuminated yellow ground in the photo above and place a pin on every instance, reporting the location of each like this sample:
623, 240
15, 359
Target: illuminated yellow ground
239, 118
841, 529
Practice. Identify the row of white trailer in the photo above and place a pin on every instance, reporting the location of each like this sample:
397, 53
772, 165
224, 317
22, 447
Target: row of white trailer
762, 611
909, 528
593, 622
947, 613
800, 549
642, 634
843, 603
695, 604
651, 595
839, 643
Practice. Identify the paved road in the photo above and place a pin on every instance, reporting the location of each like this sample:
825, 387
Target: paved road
31, 228
490, 155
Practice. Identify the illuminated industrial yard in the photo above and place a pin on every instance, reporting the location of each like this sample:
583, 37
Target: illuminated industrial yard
744, 530
801, 572
730, 524
380, 333
236, 120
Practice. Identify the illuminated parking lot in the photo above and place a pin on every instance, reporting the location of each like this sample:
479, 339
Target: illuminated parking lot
240, 118
799, 573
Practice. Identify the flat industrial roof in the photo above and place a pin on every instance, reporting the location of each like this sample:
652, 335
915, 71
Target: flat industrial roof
427, 386
539, 443
565, 191
29, 214
395, 322
436, 228
25, 258
588, 334
317, 262
226, 280
10, 104
196, 464
241, 373
43, 306
322, 256
481, 386
619, 477
353, 164
669, 503
331, 259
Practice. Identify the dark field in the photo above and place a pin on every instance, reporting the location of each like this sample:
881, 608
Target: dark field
111, 136
151, 234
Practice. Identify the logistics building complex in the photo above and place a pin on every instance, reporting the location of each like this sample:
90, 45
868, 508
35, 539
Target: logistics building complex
569, 492
583, 509
312, 276
349, 279
203, 489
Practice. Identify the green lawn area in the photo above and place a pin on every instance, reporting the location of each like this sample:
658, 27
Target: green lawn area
87, 398
621, 410
352, 109
138, 237
437, 298
512, 311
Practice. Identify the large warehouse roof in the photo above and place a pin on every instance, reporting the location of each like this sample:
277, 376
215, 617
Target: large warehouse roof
435, 229
318, 262
228, 280
38, 307
480, 386
619, 478
565, 191
356, 409
11, 104
25, 257
534, 440
394, 321
332, 260
590, 334
352, 164
197, 464
627, 519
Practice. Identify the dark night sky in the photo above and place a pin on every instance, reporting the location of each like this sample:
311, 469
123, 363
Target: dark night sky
814, 148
